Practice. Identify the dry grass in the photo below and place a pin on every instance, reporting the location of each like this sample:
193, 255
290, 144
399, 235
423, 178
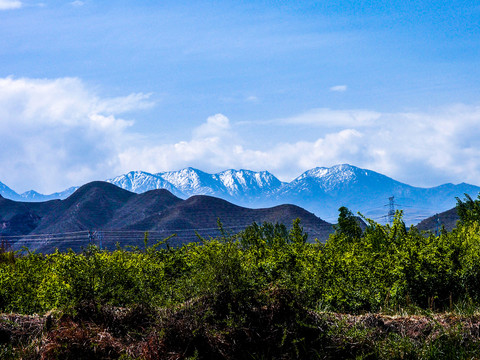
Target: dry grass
222, 328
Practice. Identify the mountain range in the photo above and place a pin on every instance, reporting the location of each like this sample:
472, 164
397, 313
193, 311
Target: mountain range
105, 214
320, 190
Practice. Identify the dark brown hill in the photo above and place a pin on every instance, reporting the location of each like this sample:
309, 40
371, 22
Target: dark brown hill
201, 213
18, 218
10, 208
140, 211
90, 207
105, 214
447, 218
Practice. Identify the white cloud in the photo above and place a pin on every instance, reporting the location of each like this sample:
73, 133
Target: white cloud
77, 3
10, 4
421, 148
216, 126
339, 88
213, 153
58, 133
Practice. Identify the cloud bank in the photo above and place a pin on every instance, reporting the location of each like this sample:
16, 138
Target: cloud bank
420, 148
59, 132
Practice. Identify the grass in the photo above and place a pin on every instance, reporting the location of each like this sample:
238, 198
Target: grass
272, 327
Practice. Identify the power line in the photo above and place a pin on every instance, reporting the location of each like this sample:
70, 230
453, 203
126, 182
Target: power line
125, 237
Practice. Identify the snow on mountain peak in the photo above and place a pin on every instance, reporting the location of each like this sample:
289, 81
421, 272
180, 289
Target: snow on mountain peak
31, 195
328, 178
230, 183
140, 181
231, 179
248, 182
191, 181
321, 190
338, 173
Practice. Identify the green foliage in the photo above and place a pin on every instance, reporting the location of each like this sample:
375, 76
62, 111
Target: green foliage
348, 224
384, 268
468, 210
270, 276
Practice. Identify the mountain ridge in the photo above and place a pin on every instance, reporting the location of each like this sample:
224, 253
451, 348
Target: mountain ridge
321, 190
120, 215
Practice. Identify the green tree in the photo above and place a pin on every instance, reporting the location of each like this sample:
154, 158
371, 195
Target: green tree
468, 210
348, 224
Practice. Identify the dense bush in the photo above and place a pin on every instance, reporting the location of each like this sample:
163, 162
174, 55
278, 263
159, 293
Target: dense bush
384, 267
261, 293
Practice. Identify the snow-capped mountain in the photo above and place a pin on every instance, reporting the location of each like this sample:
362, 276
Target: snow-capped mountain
330, 178
33, 196
8, 193
236, 184
341, 181
320, 190
248, 183
324, 190
37, 197
243, 186
191, 181
140, 181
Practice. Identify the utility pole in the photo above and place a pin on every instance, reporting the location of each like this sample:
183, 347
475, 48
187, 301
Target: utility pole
391, 209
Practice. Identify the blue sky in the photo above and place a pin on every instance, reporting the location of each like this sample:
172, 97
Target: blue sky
93, 89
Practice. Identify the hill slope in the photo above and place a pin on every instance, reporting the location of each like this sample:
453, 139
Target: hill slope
106, 214
447, 219
320, 190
